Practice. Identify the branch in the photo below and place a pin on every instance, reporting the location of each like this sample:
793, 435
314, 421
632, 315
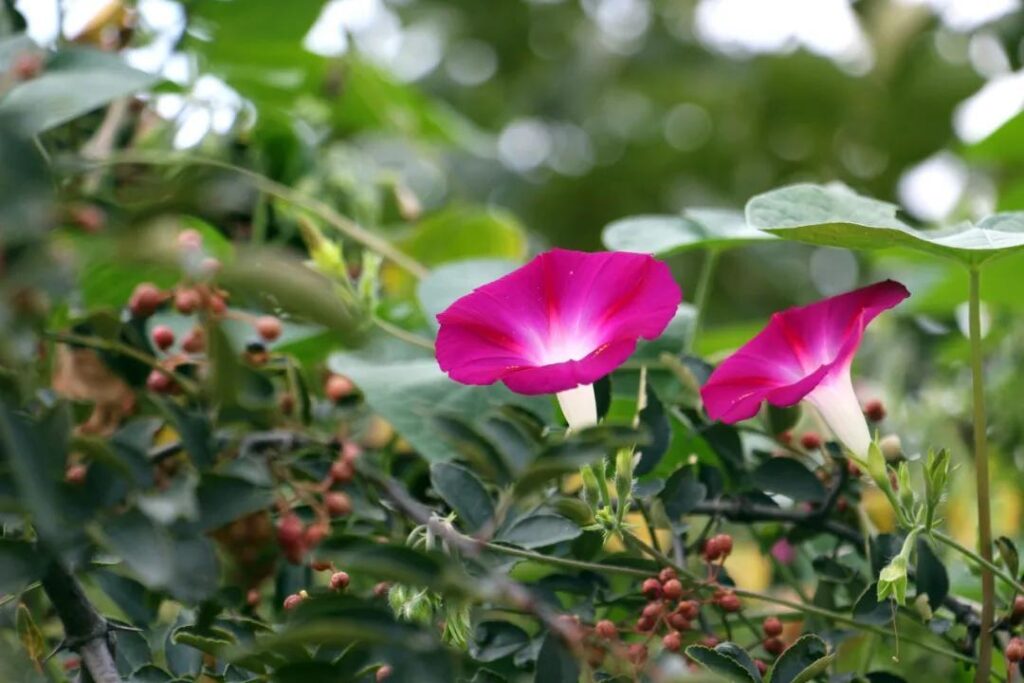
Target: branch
85, 630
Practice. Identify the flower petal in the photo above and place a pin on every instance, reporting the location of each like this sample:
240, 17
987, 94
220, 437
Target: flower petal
799, 349
558, 320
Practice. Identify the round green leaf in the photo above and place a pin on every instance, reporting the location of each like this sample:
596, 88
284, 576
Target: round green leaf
722, 661
802, 661
694, 229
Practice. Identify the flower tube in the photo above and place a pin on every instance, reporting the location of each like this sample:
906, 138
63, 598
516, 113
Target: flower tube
557, 325
804, 353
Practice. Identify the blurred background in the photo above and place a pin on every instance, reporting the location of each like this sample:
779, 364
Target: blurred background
472, 128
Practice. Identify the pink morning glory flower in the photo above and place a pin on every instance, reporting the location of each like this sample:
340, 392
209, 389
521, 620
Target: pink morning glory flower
558, 324
804, 353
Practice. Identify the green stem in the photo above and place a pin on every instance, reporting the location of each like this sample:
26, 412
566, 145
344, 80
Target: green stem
979, 560
982, 477
566, 562
602, 483
403, 334
703, 291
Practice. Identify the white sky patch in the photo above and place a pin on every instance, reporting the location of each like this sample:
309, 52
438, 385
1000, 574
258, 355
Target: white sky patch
997, 102
744, 27
932, 189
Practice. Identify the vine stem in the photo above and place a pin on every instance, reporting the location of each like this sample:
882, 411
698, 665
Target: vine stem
702, 293
344, 225
982, 477
978, 559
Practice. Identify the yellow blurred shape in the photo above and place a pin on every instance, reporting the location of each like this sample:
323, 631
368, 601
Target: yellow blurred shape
879, 511
749, 567
636, 523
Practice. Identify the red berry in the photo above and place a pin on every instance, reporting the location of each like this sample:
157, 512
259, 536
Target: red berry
292, 601
187, 301
785, 438
314, 534
190, 239
339, 581
606, 629
711, 549
338, 387
637, 653
730, 602
88, 217
383, 673
75, 474
672, 642
194, 341
252, 598
382, 589
268, 327
290, 530
163, 337
338, 504
209, 266
217, 304
678, 622
286, 403
773, 646
1015, 650
72, 663
689, 609
672, 589
852, 469
874, 410
762, 667
27, 66
810, 441
350, 451
652, 610
644, 624
667, 574
709, 641
772, 627
1017, 614
145, 299
342, 471
651, 588
159, 382
320, 565
724, 544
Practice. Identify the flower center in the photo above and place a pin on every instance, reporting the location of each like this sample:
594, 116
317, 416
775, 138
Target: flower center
565, 348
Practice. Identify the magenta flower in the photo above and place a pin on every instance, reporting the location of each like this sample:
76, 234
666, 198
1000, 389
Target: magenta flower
557, 324
804, 353
783, 552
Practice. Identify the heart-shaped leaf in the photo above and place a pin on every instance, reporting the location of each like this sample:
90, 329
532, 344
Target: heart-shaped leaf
694, 229
835, 216
802, 661
464, 493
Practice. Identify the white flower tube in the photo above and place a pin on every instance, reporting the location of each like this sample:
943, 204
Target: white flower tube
579, 405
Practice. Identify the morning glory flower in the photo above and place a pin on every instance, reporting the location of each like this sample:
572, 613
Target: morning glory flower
804, 353
557, 325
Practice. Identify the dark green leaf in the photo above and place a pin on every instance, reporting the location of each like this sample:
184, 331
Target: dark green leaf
464, 493
495, 640
537, 531
655, 421
932, 578
20, 564
682, 492
555, 663
1008, 554
722, 663
868, 609
789, 478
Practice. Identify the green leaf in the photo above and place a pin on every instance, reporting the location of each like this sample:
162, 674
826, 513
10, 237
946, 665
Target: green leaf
494, 640
802, 661
723, 663
835, 216
1008, 554
145, 547
694, 229
682, 492
537, 531
932, 578
869, 609
406, 388
446, 283
74, 81
223, 499
555, 663
789, 478
20, 564
464, 493
30, 636
211, 640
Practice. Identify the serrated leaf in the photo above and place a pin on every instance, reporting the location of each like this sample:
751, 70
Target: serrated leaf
722, 664
802, 661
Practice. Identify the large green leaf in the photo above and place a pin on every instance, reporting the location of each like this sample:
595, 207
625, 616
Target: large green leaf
788, 477
555, 663
20, 564
406, 387
835, 216
694, 229
537, 531
73, 82
726, 660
